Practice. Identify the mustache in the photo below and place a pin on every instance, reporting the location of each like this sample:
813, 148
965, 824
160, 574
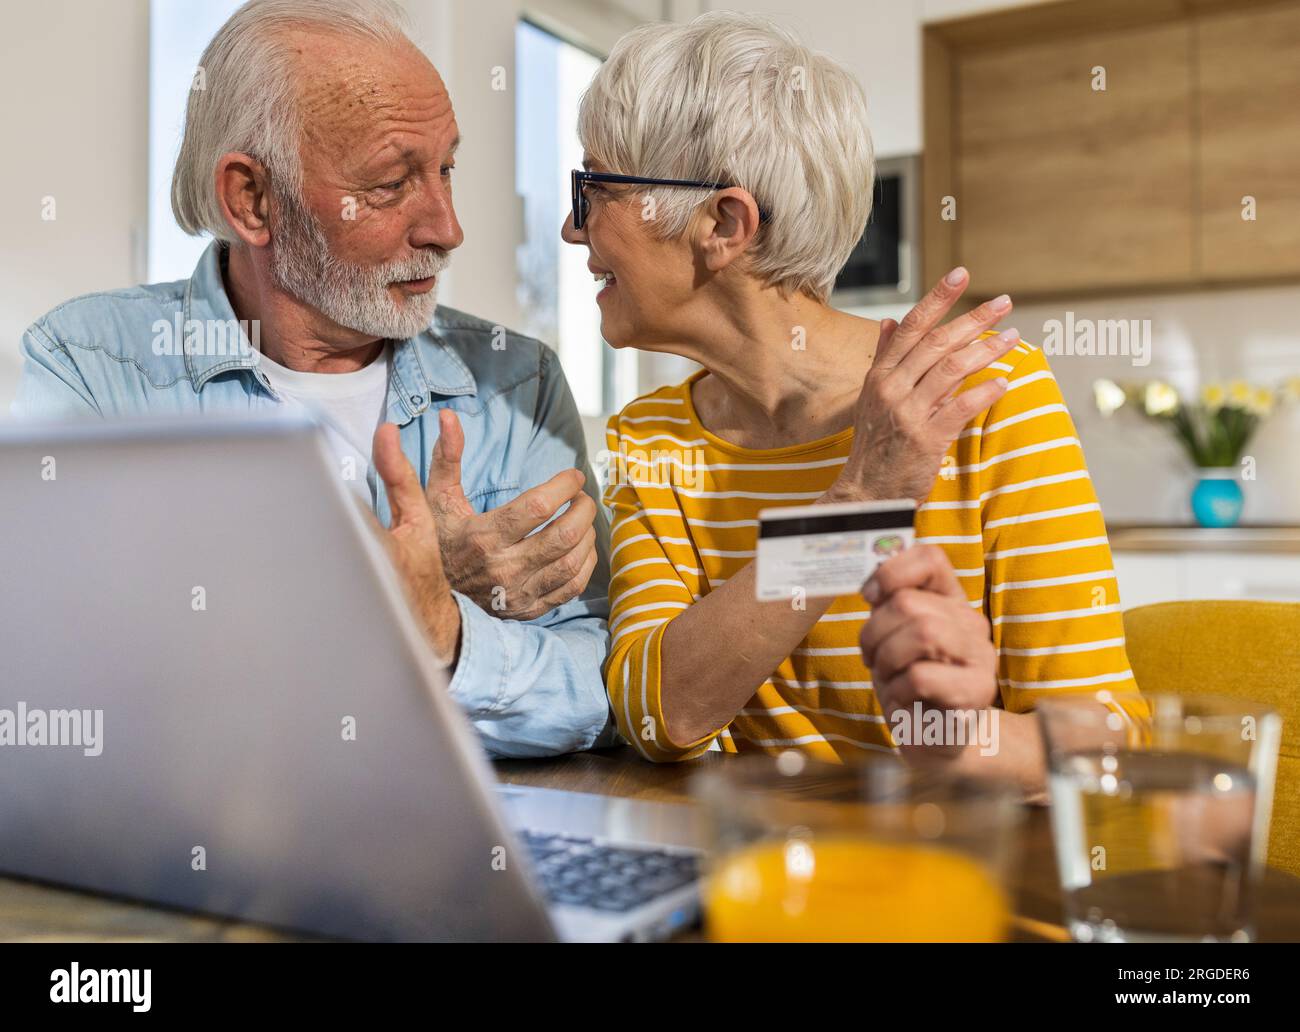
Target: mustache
423, 265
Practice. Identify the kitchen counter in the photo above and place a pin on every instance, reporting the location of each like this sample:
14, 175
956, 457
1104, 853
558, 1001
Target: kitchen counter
1174, 563
1271, 540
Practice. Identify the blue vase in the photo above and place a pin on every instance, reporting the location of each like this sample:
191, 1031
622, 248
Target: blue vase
1217, 498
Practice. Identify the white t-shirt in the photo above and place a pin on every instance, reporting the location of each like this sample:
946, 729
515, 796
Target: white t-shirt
349, 405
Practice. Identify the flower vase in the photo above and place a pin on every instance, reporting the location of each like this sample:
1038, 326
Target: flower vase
1217, 498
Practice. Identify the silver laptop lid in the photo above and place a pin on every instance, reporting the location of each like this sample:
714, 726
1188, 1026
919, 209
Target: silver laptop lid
276, 742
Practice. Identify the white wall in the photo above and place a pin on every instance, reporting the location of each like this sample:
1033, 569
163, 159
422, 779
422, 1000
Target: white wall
1140, 473
74, 77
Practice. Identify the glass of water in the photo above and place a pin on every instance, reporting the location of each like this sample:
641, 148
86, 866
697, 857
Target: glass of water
1160, 813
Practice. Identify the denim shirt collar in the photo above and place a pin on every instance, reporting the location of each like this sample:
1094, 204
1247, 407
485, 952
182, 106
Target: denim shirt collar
422, 365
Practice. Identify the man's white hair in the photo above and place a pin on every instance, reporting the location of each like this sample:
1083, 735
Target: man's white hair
734, 98
246, 99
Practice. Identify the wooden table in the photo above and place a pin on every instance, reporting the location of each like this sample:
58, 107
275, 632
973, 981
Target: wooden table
30, 911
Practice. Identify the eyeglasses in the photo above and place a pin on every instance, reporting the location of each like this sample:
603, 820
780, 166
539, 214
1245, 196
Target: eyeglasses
581, 206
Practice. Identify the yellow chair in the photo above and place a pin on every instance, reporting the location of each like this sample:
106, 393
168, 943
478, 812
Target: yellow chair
1248, 650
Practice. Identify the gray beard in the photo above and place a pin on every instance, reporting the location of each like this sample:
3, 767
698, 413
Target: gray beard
355, 296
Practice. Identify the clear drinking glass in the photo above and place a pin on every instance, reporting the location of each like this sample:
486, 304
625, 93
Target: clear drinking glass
1160, 812
870, 852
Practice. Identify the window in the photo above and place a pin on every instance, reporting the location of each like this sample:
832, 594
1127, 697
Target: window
178, 32
557, 293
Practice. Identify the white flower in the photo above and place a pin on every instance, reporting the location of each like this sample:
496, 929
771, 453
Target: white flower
1261, 402
1108, 396
1159, 399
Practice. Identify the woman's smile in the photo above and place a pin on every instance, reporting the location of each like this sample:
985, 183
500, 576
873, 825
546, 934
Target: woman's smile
603, 276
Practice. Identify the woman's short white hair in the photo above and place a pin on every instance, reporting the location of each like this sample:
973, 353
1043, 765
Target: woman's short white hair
734, 98
244, 97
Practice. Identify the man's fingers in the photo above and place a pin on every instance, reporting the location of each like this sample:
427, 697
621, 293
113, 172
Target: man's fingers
922, 566
444, 469
575, 586
405, 496
520, 516
555, 574
381, 533
559, 537
922, 318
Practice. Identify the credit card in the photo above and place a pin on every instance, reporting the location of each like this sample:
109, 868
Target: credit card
817, 551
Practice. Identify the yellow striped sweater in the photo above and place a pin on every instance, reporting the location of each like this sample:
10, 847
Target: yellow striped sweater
1012, 506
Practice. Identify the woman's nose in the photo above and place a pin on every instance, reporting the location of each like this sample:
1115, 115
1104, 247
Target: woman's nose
570, 235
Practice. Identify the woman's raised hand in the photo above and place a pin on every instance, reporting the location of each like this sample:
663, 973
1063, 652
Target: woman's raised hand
908, 412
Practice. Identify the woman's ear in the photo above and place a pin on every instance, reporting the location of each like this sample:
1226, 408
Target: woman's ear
243, 191
730, 221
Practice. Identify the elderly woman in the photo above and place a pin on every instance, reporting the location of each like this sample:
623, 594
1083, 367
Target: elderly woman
767, 148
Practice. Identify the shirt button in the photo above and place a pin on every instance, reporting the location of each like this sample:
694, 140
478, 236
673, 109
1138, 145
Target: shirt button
415, 399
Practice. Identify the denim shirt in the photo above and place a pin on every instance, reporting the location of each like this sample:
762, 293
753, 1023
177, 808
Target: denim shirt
530, 688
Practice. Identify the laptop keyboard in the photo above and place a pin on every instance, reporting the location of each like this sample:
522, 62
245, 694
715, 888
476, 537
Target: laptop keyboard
580, 872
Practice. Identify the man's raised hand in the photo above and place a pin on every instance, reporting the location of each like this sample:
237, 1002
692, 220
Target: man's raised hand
495, 558
413, 546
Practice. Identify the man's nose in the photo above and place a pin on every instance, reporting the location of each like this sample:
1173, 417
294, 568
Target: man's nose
437, 224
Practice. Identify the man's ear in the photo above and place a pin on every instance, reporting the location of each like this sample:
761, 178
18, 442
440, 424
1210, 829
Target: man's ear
729, 222
244, 193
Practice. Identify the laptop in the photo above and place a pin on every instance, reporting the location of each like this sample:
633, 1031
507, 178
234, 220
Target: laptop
215, 698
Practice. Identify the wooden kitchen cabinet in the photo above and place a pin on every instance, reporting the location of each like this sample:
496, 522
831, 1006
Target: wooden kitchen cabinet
1061, 189
1248, 98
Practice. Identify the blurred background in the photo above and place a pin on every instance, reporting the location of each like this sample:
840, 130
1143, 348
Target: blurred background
1128, 171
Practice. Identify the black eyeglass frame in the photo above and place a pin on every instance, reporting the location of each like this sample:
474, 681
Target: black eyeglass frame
580, 177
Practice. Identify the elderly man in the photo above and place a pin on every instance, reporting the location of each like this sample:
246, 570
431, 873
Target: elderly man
319, 157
